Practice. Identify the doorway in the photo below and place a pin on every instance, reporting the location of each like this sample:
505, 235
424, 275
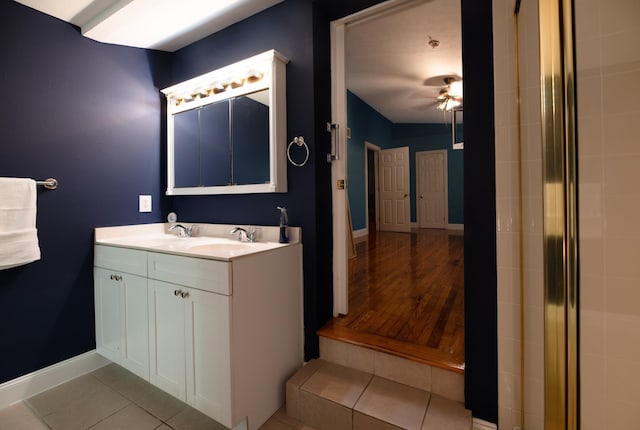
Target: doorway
371, 173
407, 258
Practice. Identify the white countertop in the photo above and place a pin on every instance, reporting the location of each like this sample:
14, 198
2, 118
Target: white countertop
210, 241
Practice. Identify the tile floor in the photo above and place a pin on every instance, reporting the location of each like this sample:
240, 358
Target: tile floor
111, 398
331, 396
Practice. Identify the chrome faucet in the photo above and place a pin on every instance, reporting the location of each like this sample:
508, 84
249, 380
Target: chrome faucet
184, 231
245, 236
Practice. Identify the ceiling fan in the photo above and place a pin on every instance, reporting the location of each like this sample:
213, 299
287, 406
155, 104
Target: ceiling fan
450, 96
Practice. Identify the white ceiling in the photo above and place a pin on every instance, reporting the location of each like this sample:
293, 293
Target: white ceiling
166, 25
392, 67
390, 64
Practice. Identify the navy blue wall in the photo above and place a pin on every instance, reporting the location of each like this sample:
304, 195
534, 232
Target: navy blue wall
89, 115
368, 125
295, 41
480, 276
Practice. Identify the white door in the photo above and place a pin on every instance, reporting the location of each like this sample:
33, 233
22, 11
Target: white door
208, 360
136, 325
394, 190
166, 340
431, 187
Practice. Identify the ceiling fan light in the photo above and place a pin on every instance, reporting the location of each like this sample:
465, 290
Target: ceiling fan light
455, 89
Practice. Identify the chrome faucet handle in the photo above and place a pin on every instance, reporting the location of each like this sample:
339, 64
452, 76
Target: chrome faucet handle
252, 235
242, 236
184, 231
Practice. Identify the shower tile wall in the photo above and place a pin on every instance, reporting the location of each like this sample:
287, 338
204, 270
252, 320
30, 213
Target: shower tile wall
507, 216
608, 78
519, 216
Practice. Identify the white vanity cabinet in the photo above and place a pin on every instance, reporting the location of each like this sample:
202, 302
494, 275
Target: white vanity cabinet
190, 331
222, 334
121, 307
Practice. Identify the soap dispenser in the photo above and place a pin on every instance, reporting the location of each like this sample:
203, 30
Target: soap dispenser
284, 222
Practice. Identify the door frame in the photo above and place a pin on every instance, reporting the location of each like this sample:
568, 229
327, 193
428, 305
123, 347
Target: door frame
339, 197
445, 174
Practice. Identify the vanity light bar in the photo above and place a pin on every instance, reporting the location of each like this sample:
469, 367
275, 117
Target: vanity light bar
247, 72
218, 88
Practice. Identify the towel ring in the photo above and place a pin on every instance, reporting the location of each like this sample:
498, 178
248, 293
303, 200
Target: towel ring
298, 140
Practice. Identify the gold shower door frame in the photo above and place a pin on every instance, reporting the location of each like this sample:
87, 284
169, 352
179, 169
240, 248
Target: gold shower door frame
560, 218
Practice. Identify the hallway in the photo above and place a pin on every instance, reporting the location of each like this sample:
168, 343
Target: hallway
406, 297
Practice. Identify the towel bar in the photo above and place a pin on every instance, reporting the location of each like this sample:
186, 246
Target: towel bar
49, 183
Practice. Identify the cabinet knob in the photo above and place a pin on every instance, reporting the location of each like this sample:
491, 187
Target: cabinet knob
177, 292
184, 294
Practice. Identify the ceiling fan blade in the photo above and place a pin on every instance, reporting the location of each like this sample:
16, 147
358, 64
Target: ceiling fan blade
441, 80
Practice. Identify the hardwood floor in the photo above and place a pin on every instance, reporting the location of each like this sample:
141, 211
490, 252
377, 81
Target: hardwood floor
406, 296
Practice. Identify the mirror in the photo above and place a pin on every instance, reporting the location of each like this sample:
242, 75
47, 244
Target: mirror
457, 129
226, 130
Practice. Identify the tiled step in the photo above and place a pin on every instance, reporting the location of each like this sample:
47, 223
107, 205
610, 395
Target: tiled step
330, 396
445, 383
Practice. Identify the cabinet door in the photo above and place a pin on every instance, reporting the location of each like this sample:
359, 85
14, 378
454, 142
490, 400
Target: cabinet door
108, 314
136, 325
167, 337
208, 354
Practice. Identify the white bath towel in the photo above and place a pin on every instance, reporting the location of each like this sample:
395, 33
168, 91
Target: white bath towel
18, 234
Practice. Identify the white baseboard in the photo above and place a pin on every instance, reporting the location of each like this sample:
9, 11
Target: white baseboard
360, 235
455, 227
479, 424
41, 380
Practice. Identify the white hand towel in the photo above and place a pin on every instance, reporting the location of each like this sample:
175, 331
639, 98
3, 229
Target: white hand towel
18, 234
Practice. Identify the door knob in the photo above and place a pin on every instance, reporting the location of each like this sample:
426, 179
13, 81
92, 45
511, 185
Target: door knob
406, 195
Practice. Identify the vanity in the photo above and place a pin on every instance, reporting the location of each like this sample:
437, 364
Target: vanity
211, 320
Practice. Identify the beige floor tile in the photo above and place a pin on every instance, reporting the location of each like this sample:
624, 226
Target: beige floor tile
111, 373
133, 387
444, 413
131, 417
366, 422
337, 383
305, 372
164, 427
394, 403
416, 375
347, 354
281, 415
159, 404
191, 419
20, 417
87, 410
275, 424
61, 396
324, 414
292, 387
447, 384
302, 426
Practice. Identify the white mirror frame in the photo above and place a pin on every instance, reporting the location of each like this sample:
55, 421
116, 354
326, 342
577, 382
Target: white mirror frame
272, 66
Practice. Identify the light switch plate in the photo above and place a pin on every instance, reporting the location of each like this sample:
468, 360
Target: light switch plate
144, 203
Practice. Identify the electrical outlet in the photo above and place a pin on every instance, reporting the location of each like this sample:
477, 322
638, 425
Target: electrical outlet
144, 203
